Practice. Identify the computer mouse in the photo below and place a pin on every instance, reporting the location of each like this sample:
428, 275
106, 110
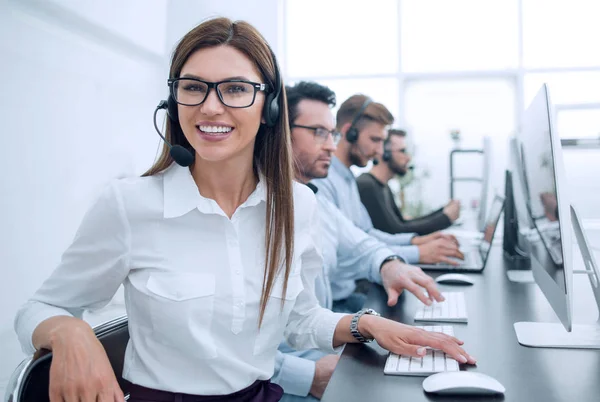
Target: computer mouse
454, 279
462, 383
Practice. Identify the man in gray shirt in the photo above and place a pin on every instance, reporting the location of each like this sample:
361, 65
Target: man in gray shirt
348, 252
363, 125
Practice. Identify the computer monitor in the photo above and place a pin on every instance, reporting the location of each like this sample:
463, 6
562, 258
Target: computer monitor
549, 210
485, 195
513, 242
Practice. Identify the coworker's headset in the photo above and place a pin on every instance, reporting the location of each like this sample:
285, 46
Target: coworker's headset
352, 133
387, 153
271, 111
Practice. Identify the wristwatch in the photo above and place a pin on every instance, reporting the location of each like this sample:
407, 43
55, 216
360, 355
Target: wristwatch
354, 324
391, 258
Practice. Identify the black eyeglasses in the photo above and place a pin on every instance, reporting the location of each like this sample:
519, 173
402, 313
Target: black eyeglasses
321, 134
232, 93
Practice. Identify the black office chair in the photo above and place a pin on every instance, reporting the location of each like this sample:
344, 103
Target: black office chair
30, 381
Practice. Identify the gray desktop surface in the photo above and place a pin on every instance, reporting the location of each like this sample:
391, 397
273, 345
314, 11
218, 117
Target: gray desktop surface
493, 304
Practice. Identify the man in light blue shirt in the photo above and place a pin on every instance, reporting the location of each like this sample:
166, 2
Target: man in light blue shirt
348, 252
363, 125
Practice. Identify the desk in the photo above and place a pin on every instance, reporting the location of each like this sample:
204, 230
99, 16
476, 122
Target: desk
493, 304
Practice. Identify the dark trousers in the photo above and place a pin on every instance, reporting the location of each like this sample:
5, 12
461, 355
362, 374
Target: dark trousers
260, 391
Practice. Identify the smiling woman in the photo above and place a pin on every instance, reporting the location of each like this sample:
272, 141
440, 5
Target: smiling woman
218, 260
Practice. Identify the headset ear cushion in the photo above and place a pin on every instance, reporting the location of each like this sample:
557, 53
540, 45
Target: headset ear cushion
352, 135
172, 109
271, 110
387, 155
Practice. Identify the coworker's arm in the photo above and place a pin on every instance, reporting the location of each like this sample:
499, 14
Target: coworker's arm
399, 239
427, 224
294, 374
359, 254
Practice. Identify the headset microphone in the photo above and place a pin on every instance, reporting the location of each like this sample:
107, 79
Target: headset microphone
182, 156
375, 161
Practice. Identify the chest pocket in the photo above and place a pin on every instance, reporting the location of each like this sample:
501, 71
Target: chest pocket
181, 311
275, 319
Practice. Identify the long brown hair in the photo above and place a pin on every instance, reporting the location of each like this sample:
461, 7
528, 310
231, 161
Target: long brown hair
272, 148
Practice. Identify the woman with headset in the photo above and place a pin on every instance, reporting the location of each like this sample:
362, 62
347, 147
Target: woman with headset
218, 259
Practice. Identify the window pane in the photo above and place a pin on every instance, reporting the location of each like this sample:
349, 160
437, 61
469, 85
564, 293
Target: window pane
576, 87
560, 33
476, 107
382, 90
578, 123
341, 37
442, 35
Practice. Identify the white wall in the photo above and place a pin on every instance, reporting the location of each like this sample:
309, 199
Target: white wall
80, 83
263, 14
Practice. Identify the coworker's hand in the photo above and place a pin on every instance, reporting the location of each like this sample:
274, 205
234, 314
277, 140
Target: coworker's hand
397, 276
410, 341
418, 240
80, 370
439, 250
452, 210
323, 371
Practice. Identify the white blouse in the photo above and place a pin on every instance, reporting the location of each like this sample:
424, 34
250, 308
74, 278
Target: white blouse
193, 280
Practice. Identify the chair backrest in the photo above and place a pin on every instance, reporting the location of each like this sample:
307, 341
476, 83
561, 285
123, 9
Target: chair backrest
35, 377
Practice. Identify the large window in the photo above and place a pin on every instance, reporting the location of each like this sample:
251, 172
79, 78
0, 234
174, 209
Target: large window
441, 65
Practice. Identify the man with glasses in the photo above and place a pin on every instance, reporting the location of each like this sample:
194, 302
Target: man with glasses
378, 198
348, 252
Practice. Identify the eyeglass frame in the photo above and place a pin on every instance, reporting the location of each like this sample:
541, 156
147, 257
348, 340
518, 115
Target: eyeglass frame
258, 87
334, 133
401, 150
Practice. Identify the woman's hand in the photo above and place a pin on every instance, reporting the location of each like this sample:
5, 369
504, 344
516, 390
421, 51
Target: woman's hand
80, 370
410, 341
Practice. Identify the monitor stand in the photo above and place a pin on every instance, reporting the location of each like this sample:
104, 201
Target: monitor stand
550, 335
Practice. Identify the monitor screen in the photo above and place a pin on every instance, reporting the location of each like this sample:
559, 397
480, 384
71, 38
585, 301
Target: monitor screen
544, 188
491, 224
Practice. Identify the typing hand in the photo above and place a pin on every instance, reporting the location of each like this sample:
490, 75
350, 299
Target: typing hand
419, 240
452, 210
397, 276
407, 340
323, 371
439, 250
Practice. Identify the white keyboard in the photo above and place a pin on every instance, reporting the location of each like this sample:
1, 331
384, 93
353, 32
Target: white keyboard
453, 309
434, 360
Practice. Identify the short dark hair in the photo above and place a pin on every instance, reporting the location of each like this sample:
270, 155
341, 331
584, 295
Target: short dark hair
391, 132
307, 90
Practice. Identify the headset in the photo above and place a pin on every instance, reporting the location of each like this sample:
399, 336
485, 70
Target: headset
387, 154
352, 133
271, 112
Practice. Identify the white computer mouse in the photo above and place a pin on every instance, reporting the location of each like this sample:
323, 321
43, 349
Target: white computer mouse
454, 279
462, 383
